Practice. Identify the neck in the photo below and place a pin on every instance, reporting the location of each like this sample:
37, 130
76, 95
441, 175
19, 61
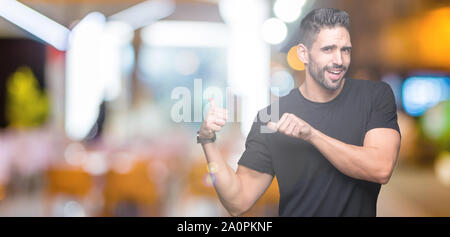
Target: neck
315, 92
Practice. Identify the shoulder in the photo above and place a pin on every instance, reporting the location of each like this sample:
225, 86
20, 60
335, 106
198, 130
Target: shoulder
368, 84
371, 88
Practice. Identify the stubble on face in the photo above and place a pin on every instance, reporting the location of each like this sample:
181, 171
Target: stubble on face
318, 74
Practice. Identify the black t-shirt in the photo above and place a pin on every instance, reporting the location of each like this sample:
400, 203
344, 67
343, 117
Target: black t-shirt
309, 184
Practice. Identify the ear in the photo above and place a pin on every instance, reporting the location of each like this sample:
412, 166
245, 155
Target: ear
302, 53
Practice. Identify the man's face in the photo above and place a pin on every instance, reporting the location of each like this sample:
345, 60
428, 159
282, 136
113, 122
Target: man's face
329, 57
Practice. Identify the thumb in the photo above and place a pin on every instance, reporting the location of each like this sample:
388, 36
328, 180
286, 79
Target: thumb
272, 126
212, 103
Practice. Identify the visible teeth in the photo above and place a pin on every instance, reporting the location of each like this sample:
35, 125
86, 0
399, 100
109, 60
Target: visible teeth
335, 72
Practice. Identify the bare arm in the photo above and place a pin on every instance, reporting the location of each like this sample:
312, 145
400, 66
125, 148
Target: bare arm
374, 161
238, 191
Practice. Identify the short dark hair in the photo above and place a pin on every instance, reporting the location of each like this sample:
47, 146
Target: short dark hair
319, 19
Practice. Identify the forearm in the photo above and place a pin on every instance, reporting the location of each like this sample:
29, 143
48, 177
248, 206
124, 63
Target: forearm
355, 161
227, 182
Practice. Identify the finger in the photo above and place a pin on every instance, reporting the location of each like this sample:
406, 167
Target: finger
273, 126
214, 127
219, 121
296, 131
284, 125
224, 118
282, 119
291, 127
221, 114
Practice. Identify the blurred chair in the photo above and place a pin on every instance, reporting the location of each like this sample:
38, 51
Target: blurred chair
198, 197
68, 181
127, 193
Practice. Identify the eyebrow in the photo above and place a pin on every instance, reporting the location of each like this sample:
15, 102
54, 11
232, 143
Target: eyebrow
335, 46
347, 47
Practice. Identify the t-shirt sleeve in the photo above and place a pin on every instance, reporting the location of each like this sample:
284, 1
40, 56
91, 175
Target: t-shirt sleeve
257, 155
383, 112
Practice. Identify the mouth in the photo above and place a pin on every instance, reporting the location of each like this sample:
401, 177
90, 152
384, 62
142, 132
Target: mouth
335, 74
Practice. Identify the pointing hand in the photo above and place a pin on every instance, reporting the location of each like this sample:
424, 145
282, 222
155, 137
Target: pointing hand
293, 126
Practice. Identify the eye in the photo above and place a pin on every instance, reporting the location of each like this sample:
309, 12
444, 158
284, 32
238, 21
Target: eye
327, 50
347, 51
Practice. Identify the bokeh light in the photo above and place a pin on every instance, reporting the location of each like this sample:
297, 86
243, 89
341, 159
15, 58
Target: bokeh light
186, 63
442, 168
293, 60
75, 154
95, 163
421, 93
209, 180
123, 163
432, 33
274, 31
436, 122
241, 12
281, 83
73, 209
213, 167
288, 10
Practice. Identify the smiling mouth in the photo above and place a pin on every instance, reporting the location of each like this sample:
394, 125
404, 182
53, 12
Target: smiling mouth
335, 74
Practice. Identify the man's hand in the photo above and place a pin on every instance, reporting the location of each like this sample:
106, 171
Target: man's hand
292, 126
214, 121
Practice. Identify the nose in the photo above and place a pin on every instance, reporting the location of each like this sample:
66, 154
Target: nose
337, 58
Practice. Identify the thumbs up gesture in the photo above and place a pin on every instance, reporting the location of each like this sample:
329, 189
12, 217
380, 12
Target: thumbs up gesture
214, 121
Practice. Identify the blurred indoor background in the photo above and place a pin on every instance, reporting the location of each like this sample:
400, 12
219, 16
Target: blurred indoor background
90, 91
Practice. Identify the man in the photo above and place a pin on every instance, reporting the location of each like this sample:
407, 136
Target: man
336, 142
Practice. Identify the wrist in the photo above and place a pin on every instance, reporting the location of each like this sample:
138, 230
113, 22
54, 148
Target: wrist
313, 135
206, 139
205, 135
204, 132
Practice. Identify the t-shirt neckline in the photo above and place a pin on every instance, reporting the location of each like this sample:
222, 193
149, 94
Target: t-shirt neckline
344, 89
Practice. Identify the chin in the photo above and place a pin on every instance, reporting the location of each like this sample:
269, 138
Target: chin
333, 85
